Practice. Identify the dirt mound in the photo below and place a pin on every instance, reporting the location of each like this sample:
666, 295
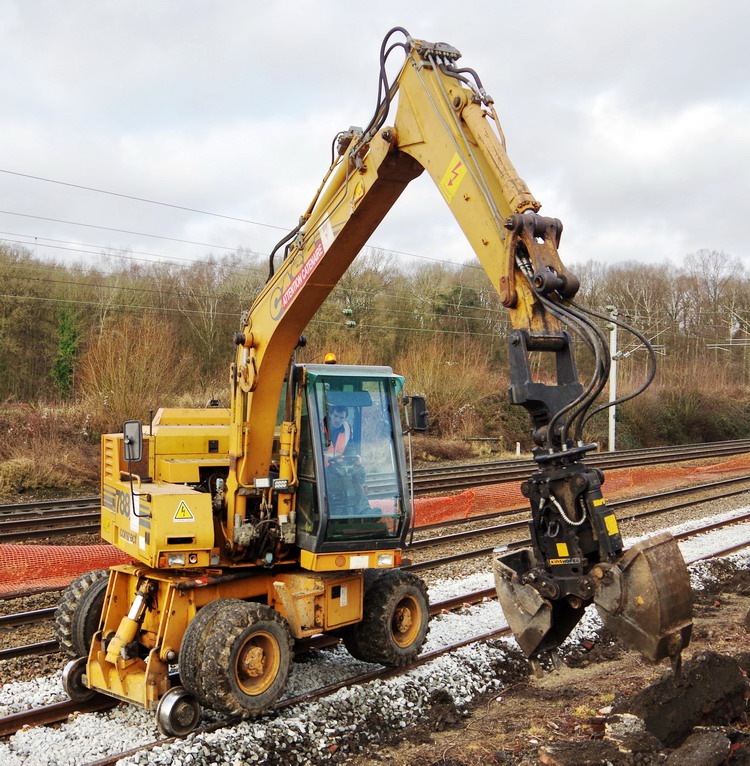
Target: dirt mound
568, 717
710, 690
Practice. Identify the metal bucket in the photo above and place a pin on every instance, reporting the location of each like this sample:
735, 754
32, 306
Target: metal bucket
644, 599
538, 624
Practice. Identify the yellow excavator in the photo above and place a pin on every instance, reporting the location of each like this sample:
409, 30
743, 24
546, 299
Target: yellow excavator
285, 515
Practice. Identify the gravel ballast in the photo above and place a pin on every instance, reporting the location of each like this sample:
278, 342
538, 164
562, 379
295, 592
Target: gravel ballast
348, 721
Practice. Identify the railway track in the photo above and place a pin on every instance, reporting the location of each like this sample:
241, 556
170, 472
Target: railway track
62, 710
719, 490
432, 480
26, 521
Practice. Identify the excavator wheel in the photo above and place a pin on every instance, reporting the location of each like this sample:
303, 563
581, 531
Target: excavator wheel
247, 660
396, 620
79, 611
194, 642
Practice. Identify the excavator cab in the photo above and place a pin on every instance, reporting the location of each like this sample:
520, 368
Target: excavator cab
352, 492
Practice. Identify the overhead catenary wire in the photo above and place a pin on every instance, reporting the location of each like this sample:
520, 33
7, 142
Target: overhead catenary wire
486, 311
197, 294
176, 310
338, 290
213, 245
141, 199
119, 231
482, 294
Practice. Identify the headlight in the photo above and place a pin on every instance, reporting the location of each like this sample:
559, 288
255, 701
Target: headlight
385, 560
175, 559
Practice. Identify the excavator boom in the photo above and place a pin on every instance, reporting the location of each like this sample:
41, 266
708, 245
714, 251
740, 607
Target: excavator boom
445, 124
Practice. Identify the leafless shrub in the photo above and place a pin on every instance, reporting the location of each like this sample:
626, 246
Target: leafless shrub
132, 367
43, 447
454, 377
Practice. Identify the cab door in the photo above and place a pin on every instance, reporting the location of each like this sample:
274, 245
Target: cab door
351, 466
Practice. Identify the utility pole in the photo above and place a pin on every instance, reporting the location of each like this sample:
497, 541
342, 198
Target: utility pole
612, 311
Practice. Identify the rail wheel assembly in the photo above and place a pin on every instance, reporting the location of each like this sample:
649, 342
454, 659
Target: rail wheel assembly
79, 611
177, 713
247, 658
72, 680
395, 625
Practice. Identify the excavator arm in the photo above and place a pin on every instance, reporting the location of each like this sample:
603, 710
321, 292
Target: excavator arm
442, 126
445, 124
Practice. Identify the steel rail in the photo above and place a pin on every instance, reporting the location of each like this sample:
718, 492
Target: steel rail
24, 618
47, 647
740, 445
477, 553
363, 678
485, 475
40, 506
613, 504
59, 711
46, 526
453, 477
62, 710
50, 647
18, 530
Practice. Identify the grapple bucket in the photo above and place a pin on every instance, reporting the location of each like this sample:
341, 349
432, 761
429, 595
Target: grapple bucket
645, 598
538, 624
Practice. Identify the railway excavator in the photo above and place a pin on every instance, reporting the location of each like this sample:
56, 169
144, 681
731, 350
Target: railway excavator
254, 528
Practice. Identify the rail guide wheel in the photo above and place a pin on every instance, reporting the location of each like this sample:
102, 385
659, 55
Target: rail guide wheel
73, 680
177, 713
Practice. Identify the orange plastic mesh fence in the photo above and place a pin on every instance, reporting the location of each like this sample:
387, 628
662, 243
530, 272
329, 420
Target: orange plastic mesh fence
620, 483
25, 568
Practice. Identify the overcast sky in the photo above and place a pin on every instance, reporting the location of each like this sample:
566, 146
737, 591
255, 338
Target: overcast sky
630, 121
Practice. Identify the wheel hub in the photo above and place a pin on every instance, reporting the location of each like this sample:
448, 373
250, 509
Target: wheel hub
183, 713
253, 662
258, 663
403, 619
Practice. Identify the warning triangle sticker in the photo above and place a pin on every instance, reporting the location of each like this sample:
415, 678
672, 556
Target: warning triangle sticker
183, 513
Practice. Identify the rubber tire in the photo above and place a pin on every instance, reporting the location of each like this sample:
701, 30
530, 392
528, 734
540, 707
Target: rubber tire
197, 636
79, 612
373, 639
236, 623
